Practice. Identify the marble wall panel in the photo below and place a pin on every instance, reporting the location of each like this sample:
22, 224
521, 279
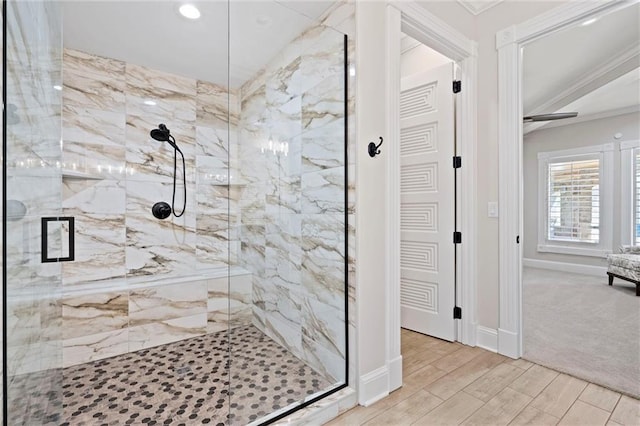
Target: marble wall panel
41, 193
167, 331
216, 106
323, 191
98, 134
23, 321
159, 247
323, 148
99, 248
323, 360
22, 359
212, 149
324, 103
93, 82
142, 195
94, 160
96, 346
94, 313
285, 199
94, 196
150, 160
284, 120
253, 244
324, 325
229, 302
298, 197
316, 65
324, 279
280, 302
282, 84
23, 256
252, 106
93, 126
153, 81
162, 303
283, 253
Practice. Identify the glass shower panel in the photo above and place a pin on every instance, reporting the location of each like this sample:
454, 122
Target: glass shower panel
288, 156
35, 235
133, 326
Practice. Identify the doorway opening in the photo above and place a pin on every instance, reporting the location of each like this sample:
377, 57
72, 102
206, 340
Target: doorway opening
427, 190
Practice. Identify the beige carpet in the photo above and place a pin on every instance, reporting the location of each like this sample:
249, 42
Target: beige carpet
579, 325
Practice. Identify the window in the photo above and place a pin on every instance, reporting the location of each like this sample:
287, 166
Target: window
574, 200
630, 192
574, 191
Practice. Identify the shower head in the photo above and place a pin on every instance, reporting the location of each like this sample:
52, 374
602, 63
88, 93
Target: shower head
162, 134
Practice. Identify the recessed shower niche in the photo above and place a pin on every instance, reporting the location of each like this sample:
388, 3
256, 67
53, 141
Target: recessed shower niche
233, 312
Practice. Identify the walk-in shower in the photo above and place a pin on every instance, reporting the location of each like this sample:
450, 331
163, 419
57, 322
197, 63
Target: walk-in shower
231, 310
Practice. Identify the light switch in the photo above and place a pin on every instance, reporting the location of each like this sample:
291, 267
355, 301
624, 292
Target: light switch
492, 209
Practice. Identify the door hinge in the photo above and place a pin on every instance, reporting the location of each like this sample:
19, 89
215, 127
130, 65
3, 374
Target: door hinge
457, 86
457, 237
457, 162
457, 312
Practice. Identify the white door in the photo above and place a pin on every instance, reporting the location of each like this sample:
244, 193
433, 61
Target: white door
427, 202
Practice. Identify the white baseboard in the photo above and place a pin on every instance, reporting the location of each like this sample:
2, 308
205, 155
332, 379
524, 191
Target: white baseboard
508, 344
395, 373
575, 268
487, 338
373, 386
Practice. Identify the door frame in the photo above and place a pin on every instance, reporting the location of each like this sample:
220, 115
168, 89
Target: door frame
417, 22
509, 43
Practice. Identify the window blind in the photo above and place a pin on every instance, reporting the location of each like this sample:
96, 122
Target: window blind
636, 168
573, 201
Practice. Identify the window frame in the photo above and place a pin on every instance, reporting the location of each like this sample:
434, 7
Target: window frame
628, 193
602, 152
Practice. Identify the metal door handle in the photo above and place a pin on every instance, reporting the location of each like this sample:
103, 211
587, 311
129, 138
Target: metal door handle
45, 239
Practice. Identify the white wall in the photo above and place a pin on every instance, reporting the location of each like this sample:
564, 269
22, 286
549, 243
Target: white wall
370, 201
594, 132
419, 59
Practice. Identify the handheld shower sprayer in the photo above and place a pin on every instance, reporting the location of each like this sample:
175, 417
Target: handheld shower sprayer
161, 209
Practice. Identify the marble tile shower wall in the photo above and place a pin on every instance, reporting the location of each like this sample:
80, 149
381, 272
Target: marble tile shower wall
33, 59
292, 210
113, 172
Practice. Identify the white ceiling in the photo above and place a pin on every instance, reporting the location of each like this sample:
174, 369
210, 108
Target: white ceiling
589, 69
244, 34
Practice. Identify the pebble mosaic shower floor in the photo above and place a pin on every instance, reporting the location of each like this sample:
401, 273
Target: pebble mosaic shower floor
183, 383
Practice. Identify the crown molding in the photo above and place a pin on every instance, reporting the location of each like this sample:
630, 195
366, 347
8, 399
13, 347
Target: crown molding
476, 7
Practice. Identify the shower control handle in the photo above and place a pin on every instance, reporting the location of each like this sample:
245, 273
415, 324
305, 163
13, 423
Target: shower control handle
161, 210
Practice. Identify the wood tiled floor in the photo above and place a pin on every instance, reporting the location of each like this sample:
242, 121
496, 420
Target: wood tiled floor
451, 384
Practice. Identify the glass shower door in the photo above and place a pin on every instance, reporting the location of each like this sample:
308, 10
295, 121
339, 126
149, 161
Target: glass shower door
288, 158
36, 237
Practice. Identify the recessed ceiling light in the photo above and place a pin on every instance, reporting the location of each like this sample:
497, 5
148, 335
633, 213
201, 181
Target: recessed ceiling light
150, 103
589, 22
189, 11
57, 87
